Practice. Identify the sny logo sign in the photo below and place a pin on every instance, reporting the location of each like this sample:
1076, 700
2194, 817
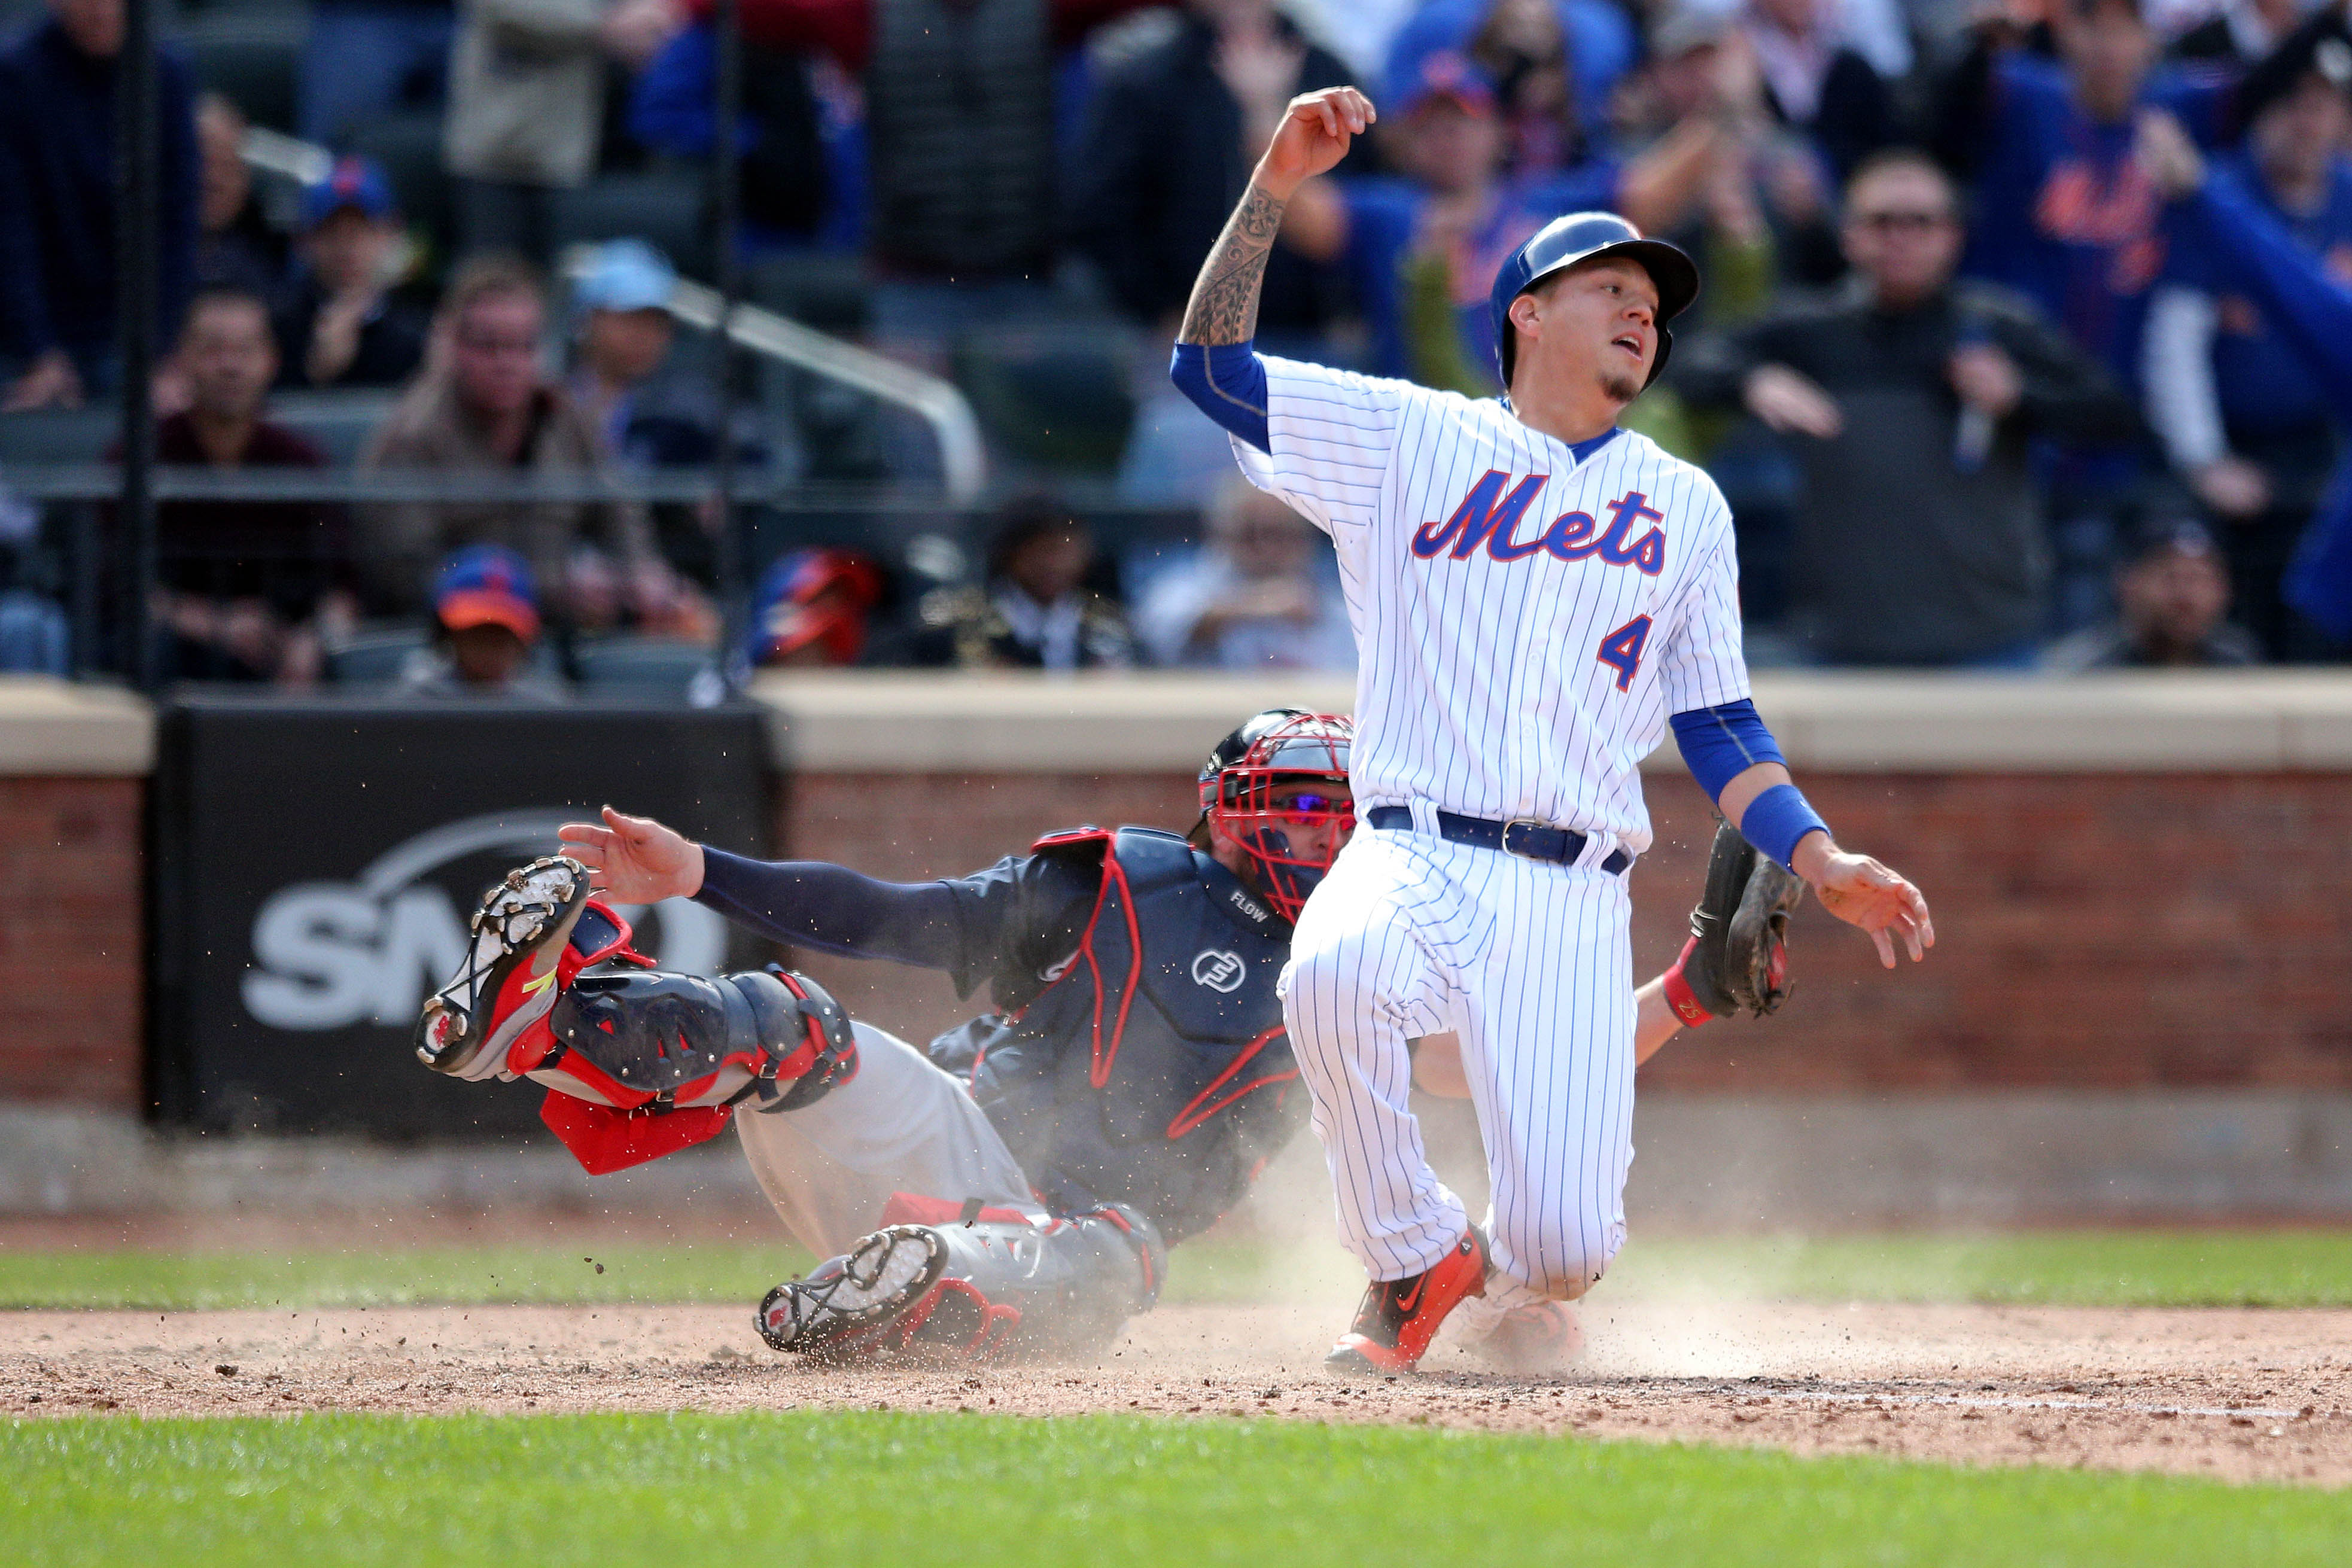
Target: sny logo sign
1488, 517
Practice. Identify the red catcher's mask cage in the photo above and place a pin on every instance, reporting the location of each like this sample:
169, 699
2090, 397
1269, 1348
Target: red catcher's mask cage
1291, 844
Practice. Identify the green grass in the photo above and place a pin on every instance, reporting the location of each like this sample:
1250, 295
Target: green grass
176, 1280
2089, 1268
187, 1281
976, 1491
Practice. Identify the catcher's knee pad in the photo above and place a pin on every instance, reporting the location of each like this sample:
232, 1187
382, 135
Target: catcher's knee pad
986, 1287
638, 1039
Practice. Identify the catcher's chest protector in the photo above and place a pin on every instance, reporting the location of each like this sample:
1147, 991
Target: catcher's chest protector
1152, 1069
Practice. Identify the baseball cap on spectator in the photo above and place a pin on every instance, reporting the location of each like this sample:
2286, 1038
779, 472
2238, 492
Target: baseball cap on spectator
625, 275
811, 597
2166, 532
1443, 74
486, 585
355, 183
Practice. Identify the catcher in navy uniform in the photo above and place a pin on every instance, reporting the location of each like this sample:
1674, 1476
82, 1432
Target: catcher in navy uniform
1013, 1188
1015, 1185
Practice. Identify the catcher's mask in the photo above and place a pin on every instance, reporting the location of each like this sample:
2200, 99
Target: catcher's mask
1280, 747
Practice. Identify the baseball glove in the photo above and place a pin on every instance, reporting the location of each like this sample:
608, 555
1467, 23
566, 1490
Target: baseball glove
1738, 955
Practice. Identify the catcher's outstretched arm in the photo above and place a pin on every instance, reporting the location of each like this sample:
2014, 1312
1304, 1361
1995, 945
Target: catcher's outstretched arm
806, 903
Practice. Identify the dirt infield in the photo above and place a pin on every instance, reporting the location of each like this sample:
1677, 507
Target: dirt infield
2238, 1395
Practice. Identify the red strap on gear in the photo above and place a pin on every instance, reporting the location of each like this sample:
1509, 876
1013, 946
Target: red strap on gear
1679, 996
605, 1139
918, 1209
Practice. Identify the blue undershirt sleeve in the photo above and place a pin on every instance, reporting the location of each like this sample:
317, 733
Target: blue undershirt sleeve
1719, 743
1227, 382
809, 904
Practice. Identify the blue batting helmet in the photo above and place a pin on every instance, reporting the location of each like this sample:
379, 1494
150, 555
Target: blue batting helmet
1579, 236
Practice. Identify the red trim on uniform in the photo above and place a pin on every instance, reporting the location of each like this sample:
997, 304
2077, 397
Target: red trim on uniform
1074, 836
1196, 1113
1101, 1061
605, 1139
918, 1209
1086, 938
1679, 996
1099, 1074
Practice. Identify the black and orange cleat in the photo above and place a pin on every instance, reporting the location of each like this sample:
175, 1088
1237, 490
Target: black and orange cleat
1400, 1317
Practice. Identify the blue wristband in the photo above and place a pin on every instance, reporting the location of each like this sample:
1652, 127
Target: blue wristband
1776, 821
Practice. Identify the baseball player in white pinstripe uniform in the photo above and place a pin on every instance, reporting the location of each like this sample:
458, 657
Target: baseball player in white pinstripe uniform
1536, 595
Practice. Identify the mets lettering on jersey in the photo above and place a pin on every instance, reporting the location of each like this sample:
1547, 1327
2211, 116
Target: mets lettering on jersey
1527, 615
1572, 536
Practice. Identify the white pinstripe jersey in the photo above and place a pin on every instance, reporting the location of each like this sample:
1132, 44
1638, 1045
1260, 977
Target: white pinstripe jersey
1525, 621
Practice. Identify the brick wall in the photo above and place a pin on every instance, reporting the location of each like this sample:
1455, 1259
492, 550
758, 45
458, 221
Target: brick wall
2104, 931
2099, 931
70, 891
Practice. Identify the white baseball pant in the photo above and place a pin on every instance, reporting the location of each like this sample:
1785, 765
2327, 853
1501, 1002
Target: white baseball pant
900, 1125
1531, 964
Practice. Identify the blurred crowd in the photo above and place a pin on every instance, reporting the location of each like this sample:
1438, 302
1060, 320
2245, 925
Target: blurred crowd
1977, 400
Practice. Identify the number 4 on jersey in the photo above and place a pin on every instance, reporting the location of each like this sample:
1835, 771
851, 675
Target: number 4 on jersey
1621, 649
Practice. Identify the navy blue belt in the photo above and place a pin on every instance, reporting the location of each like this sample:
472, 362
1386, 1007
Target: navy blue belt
1519, 836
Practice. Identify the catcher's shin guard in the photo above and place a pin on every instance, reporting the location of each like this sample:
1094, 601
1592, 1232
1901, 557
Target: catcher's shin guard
533, 934
975, 1290
637, 1040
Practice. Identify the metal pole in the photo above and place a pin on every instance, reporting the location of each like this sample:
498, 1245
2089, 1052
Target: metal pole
727, 169
137, 187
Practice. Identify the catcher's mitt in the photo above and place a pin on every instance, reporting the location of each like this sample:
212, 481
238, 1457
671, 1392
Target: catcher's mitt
1737, 955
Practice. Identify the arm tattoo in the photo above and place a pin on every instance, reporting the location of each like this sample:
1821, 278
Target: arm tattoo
1224, 308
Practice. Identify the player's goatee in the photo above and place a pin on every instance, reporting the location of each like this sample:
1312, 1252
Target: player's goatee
1620, 388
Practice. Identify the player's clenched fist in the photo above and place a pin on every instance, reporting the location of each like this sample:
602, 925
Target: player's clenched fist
635, 859
1316, 132
1865, 893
